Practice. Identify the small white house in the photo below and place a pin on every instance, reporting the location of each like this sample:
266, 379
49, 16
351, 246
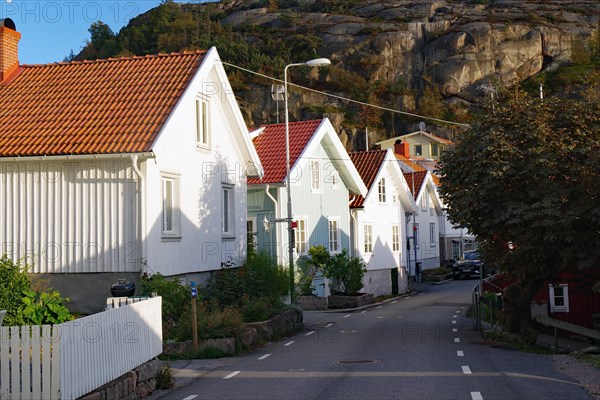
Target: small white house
115, 168
425, 222
379, 222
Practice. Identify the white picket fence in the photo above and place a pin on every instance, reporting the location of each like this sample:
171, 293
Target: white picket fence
69, 360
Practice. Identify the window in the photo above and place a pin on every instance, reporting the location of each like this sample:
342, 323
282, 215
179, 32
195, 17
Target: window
418, 150
301, 245
395, 238
434, 150
251, 232
315, 175
381, 187
416, 234
202, 121
432, 240
455, 250
559, 298
228, 211
368, 236
170, 209
334, 235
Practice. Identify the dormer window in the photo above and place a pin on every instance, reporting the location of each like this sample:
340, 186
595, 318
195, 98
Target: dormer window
418, 150
381, 187
202, 123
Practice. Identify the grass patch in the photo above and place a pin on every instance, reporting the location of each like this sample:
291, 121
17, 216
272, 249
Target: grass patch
592, 359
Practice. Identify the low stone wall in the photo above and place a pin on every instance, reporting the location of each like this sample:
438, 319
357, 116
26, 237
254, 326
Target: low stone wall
337, 301
312, 302
226, 345
134, 385
437, 278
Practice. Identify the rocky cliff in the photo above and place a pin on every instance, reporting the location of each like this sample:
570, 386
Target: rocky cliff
430, 57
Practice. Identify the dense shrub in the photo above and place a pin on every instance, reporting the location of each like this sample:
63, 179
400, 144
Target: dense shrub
26, 303
346, 272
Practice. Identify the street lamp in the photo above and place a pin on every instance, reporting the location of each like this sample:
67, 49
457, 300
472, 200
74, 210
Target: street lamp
318, 62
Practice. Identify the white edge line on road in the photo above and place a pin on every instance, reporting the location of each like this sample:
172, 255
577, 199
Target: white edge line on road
309, 333
379, 306
364, 311
466, 369
408, 297
263, 357
460, 353
456, 340
190, 397
394, 302
476, 396
290, 343
231, 375
347, 315
328, 325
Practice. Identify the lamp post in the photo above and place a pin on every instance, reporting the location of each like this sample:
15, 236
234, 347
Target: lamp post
318, 62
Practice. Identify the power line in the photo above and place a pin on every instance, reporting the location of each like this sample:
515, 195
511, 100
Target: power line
345, 98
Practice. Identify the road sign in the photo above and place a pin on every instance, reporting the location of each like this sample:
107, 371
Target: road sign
194, 289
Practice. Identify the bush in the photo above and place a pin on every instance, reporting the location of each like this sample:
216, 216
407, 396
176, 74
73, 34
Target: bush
175, 299
345, 272
14, 280
214, 322
25, 306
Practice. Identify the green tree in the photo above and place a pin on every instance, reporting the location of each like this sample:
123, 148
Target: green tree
524, 179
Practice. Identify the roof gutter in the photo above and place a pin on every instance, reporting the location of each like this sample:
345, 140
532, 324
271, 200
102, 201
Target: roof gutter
78, 157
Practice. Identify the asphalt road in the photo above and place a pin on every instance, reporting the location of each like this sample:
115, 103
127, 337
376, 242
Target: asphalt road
420, 346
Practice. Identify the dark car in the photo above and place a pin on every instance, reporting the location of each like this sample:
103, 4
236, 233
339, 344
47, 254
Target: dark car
469, 266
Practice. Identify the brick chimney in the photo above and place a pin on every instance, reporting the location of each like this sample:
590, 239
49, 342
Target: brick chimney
402, 148
9, 48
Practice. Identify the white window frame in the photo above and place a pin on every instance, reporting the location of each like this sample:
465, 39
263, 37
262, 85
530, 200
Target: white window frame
381, 190
432, 240
333, 228
301, 239
170, 194
552, 296
368, 238
228, 211
395, 238
202, 113
315, 175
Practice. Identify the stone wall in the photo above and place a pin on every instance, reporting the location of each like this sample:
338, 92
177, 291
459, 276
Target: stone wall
134, 385
312, 302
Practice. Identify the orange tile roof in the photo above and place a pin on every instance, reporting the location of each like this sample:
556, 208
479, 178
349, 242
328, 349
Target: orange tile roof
410, 163
270, 146
367, 164
92, 107
414, 181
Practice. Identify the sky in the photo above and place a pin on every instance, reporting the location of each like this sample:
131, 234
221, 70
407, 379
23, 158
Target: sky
50, 29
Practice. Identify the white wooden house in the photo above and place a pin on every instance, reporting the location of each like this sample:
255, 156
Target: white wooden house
322, 178
379, 222
114, 168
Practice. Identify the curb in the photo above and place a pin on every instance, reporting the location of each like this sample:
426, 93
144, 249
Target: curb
342, 310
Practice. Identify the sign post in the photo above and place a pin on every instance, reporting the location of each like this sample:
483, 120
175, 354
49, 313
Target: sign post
194, 316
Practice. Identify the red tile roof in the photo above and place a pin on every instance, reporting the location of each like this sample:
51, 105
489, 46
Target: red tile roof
270, 146
410, 163
367, 164
414, 181
92, 107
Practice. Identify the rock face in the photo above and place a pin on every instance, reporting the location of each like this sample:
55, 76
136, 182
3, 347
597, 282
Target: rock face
459, 47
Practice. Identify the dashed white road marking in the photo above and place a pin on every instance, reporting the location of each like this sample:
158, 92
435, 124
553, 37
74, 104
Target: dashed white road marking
476, 396
379, 306
309, 333
466, 369
347, 315
454, 330
460, 353
456, 340
231, 375
290, 343
263, 357
328, 325
408, 297
190, 397
457, 312
364, 311
354, 331
454, 316
453, 322
394, 302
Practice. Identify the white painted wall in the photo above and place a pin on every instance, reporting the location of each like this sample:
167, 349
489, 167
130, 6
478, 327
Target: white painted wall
70, 215
202, 173
428, 251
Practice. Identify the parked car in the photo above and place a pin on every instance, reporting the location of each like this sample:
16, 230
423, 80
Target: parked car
469, 266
